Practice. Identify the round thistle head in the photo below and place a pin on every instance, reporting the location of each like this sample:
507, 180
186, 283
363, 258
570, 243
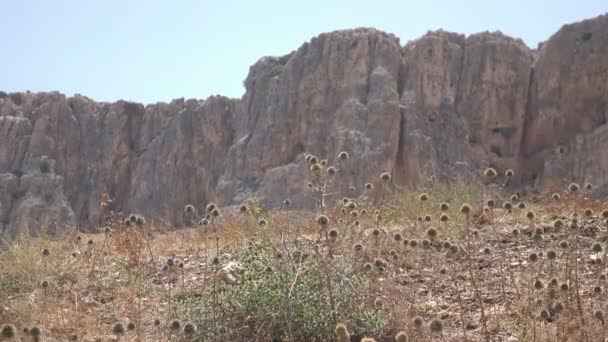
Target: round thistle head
401, 337
444, 217
436, 326
556, 196
378, 262
204, 222
118, 329
35, 331
262, 222
378, 303
333, 233
215, 212
539, 231
602, 277
315, 168
210, 207
323, 162
564, 287
431, 233
573, 187
307, 157
344, 211
490, 173
558, 224
322, 220
530, 215
454, 249
133, 218
427, 218
313, 160
343, 155
127, 222
243, 208
331, 170
491, 203
563, 244
189, 328
522, 205
588, 186
533, 257
368, 186
417, 321
551, 254
444, 206
131, 326
597, 289
558, 307
413, 243
367, 267
356, 223
363, 211
8, 331
487, 251
443, 270
465, 209
553, 282
599, 315
420, 218
351, 205
397, 237
514, 198
341, 329
309, 185
544, 314
538, 284
392, 252
376, 232
406, 242
354, 213
447, 244
515, 232
175, 325
385, 177
596, 248
426, 243
509, 173
140, 220
423, 197
45, 284
351, 188
357, 247
588, 212
508, 206
46, 252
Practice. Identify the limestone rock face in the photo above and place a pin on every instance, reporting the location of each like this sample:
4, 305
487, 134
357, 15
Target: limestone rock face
439, 106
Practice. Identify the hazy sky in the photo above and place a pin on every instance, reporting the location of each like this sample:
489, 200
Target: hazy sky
148, 50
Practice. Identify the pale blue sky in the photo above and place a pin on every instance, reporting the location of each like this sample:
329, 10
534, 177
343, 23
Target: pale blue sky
148, 50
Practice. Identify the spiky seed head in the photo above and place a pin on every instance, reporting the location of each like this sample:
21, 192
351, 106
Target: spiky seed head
447, 244
443, 270
514, 198
564, 287
309, 185
515, 232
368, 186
175, 325
356, 223
322, 220
596, 248
509, 173
127, 222
313, 160
444, 206
133, 218
551, 254
46, 252
307, 157
323, 162
189, 328
413, 243
341, 329
401, 337
385, 177
522, 205
45, 284
436, 326
431, 233
315, 168
243, 208
558, 224
573, 187
204, 222
8, 331
367, 267
423, 197
357, 247
544, 314
376, 232
444, 218
140, 220
351, 188
599, 315
363, 211
556, 196
344, 211
538, 284
487, 250
35, 331
331, 170
351, 205
465, 209
417, 321
597, 289
209, 208
428, 218
454, 249
397, 237
343, 155
378, 303
533, 257
553, 282
131, 326
588, 212
379, 262
508, 206
354, 213
426, 243
563, 244
118, 329
215, 212
262, 222
490, 173
530, 215
333, 233
491, 203
539, 231
605, 213
558, 307
406, 242
588, 186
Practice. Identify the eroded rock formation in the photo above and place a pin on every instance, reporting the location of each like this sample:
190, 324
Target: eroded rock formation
440, 105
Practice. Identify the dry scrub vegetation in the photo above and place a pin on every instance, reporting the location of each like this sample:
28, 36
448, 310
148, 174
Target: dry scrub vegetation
464, 261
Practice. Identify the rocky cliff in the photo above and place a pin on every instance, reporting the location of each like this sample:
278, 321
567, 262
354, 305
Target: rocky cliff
439, 105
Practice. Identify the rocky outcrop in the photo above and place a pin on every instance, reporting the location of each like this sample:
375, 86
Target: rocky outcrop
438, 106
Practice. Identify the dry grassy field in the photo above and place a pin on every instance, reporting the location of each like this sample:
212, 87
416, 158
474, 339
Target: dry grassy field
459, 261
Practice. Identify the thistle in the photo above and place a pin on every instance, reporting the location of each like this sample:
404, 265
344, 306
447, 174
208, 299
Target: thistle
397, 237
331, 171
508, 206
509, 173
342, 332
431, 233
189, 328
131, 326
465, 209
423, 197
436, 326
385, 177
556, 196
368, 186
444, 206
8, 331
175, 325
444, 218
401, 337
417, 321
118, 329
573, 187
343, 155
490, 173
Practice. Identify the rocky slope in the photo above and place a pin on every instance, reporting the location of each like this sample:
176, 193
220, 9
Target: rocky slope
440, 105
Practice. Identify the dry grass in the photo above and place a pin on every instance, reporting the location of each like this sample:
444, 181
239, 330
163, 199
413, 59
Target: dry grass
281, 275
